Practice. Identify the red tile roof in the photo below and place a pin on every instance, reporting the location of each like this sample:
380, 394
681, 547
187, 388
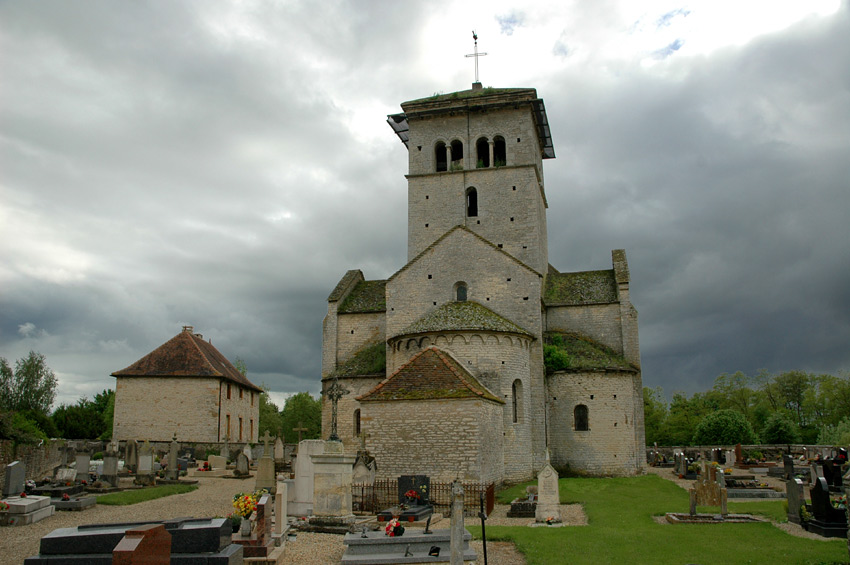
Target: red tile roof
186, 355
430, 374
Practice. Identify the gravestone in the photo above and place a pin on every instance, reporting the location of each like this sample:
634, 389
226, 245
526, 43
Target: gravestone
242, 465
278, 450
16, 476
794, 494
707, 492
816, 471
225, 449
265, 468
65, 475
364, 471
281, 520
248, 453
739, 454
217, 462
301, 503
82, 462
109, 472
131, 456
25, 511
828, 521
788, 467
260, 543
145, 545
145, 469
457, 528
172, 471
413, 508
548, 495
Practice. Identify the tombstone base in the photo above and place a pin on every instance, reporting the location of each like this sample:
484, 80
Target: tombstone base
378, 548
411, 514
827, 529
78, 504
145, 480
8, 519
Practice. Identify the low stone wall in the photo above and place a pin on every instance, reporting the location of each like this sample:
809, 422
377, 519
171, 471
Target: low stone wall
39, 459
771, 452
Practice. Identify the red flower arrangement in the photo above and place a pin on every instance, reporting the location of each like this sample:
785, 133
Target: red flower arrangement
65, 496
23, 495
412, 494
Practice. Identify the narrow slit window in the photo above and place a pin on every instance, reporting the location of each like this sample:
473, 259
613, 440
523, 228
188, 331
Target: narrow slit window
471, 202
482, 148
440, 156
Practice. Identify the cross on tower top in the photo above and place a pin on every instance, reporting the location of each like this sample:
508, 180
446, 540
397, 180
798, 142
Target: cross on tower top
476, 55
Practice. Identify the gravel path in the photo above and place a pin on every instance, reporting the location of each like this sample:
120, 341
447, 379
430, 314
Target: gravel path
213, 498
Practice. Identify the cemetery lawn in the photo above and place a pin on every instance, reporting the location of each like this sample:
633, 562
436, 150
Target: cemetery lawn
143, 494
621, 529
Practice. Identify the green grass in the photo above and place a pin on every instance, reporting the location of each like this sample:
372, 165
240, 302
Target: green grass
142, 495
621, 530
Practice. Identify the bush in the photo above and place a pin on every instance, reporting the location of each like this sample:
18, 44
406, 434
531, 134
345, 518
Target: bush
835, 435
779, 429
724, 427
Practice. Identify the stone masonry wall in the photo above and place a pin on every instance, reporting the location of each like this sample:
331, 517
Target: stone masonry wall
609, 446
444, 439
154, 408
493, 279
345, 410
356, 330
600, 322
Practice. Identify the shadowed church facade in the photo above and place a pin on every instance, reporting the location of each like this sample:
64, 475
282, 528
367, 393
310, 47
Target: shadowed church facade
444, 360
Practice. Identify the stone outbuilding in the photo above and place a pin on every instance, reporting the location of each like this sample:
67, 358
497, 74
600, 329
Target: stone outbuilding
185, 386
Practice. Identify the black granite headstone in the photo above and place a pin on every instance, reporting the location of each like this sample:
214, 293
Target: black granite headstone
417, 483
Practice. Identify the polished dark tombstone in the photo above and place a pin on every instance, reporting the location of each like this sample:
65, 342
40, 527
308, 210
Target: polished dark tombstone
788, 467
410, 508
201, 541
828, 521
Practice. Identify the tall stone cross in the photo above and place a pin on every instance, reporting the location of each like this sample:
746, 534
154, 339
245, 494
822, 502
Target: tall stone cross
363, 436
266, 439
300, 429
334, 393
476, 54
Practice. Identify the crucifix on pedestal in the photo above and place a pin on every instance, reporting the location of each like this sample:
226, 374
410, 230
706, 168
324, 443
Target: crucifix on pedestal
334, 393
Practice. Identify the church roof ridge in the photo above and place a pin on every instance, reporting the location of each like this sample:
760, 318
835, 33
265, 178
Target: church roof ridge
431, 374
462, 316
466, 229
478, 93
186, 355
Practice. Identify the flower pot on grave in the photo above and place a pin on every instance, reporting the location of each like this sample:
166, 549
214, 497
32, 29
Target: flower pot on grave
245, 527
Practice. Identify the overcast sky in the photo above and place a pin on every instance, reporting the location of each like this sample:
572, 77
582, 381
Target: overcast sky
222, 164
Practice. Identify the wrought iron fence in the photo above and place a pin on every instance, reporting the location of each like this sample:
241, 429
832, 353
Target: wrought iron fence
383, 494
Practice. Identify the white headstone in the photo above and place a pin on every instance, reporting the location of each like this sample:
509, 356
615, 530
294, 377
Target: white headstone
302, 494
548, 495
247, 451
278, 450
280, 517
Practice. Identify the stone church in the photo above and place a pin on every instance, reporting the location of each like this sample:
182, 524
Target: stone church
477, 356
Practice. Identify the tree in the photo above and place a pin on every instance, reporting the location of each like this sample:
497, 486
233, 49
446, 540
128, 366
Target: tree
87, 419
655, 415
685, 414
780, 429
302, 407
724, 427
270, 418
31, 387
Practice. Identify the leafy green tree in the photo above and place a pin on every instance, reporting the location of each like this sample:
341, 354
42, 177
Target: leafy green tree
838, 434
270, 418
87, 419
685, 414
733, 391
32, 386
302, 407
655, 415
724, 427
780, 429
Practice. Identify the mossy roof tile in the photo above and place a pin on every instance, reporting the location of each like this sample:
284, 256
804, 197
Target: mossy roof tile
431, 374
366, 296
462, 316
585, 287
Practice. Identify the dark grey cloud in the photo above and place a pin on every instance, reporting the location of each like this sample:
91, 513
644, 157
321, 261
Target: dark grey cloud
223, 165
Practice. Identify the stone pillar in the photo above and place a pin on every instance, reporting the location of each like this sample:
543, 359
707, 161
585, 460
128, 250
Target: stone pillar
332, 473
172, 472
492, 144
457, 530
280, 516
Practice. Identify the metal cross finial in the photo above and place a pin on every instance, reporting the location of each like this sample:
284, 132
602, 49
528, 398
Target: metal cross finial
334, 393
476, 54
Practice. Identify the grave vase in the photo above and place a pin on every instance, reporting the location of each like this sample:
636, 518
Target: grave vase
245, 527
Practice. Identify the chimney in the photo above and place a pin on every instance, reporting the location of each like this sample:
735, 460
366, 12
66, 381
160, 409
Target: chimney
189, 329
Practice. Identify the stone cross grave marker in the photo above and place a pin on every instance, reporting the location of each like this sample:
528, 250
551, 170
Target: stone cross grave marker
334, 393
266, 439
363, 436
457, 530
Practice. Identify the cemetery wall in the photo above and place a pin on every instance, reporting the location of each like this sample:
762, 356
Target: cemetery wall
40, 460
461, 438
600, 322
609, 446
154, 408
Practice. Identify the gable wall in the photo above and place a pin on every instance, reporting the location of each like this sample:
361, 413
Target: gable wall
356, 330
463, 257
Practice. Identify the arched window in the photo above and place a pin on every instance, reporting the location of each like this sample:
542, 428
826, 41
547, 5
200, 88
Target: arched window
460, 292
482, 148
516, 389
500, 154
581, 418
357, 422
471, 202
457, 155
440, 157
